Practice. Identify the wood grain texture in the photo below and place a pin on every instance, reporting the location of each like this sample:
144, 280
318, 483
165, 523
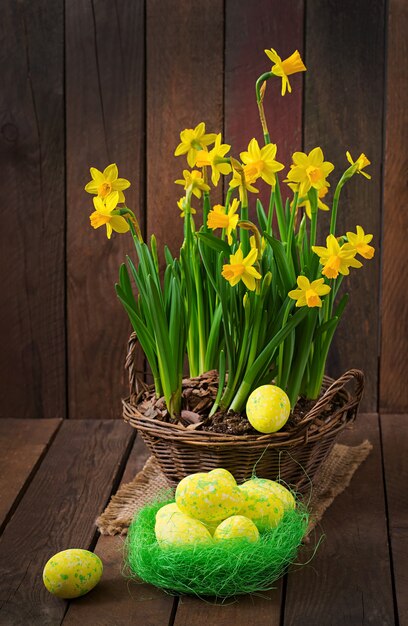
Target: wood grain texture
58, 511
261, 609
349, 580
32, 355
184, 87
22, 446
394, 430
248, 32
117, 600
105, 124
394, 300
344, 111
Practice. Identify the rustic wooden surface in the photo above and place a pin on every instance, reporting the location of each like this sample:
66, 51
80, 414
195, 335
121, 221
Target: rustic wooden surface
32, 161
349, 580
394, 303
184, 87
340, 115
120, 83
105, 124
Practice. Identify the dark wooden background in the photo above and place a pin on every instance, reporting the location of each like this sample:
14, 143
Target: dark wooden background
93, 82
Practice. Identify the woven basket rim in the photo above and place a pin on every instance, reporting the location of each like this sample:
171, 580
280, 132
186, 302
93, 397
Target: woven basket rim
307, 430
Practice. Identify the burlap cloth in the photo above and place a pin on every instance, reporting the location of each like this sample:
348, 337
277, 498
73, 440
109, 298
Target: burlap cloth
333, 478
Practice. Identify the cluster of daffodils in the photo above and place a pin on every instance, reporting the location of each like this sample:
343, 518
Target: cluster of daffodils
211, 507
257, 300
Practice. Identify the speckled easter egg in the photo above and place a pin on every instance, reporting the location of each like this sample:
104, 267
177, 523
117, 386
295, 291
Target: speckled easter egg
223, 473
268, 408
178, 529
263, 507
284, 495
236, 527
208, 498
72, 573
167, 510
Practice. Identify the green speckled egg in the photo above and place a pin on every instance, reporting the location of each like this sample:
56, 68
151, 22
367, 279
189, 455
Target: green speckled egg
268, 408
208, 497
72, 573
263, 507
236, 527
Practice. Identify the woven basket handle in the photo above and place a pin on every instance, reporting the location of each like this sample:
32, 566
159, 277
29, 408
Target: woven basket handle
130, 364
352, 375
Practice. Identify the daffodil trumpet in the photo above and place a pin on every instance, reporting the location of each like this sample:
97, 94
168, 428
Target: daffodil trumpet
258, 305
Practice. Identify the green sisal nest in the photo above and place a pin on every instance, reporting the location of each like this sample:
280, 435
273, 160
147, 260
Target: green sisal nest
222, 569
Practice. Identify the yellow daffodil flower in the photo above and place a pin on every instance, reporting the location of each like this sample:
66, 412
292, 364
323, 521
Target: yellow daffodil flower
361, 163
242, 269
218, 218
181, 206
103, 215
336, 259
309, 170
260, 162
291, 65
194, 181
358, 243
215, 158
103, 183
193, 140
237, 180
309, 293
306, 203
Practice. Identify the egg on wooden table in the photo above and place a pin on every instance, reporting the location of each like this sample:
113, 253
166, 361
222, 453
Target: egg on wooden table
268, 408
72, 573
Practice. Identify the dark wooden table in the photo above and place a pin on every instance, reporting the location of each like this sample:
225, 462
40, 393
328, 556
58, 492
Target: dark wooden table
57, 476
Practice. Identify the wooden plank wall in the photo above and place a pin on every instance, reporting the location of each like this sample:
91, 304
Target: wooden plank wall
87, 84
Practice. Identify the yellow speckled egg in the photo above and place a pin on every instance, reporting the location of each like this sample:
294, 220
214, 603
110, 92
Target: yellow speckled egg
223, 473
263, 507
167, 510
284, 495
268, 408
236, 527
178, 529
208, 497
72, 573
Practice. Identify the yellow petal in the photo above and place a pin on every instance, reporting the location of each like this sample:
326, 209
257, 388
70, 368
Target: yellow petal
91, 187
97, 176
119, 224
111, 172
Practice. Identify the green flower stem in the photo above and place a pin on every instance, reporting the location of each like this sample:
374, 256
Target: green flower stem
282, 345
291, 225
270, 211
221, 382
259, 99
280, 213
206, 208
301, 356
244, 233
312, 195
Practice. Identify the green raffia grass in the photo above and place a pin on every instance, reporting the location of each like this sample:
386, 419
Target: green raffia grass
220, 570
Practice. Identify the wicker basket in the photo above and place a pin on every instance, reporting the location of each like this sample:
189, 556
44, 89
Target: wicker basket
292, 455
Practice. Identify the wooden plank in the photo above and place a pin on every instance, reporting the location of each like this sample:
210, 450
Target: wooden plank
341, 584
57, 512
260, 609
22, 447
117, 600
181, 92
344, 111
394, 303
249, 30
105, 124
32, 356
394, 430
